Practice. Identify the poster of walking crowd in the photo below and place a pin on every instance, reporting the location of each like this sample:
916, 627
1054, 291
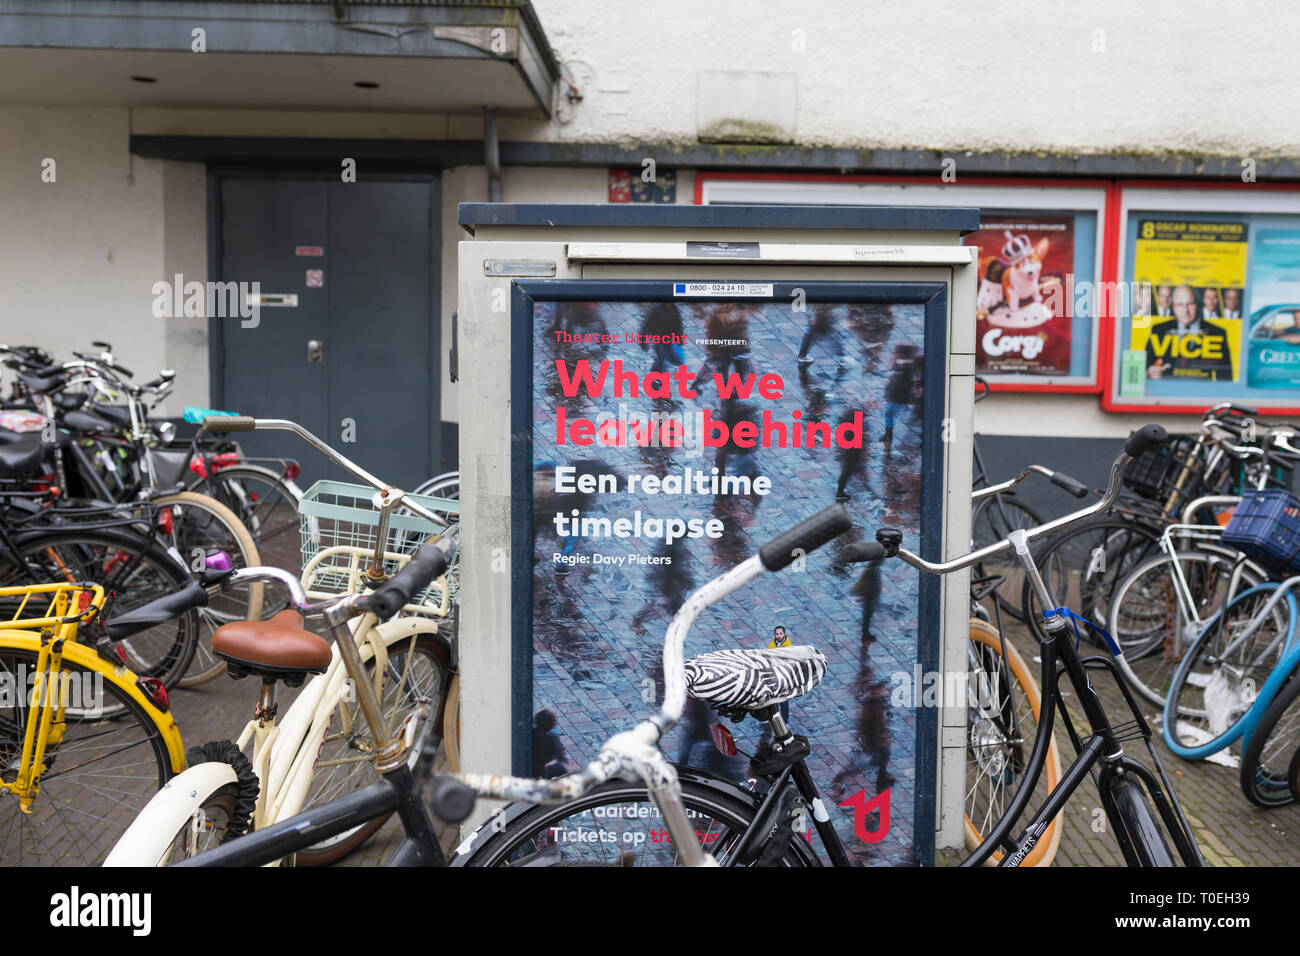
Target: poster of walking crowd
670, 440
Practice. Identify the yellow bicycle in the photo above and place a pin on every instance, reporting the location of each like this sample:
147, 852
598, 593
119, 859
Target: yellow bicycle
84, 742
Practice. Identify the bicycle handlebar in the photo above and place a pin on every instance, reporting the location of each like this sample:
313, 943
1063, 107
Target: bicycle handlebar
1141, 440
246, 423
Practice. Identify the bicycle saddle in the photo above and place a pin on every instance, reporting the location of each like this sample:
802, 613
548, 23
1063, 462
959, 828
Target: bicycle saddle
117, 414
87, 422
755, 678
278, 649
20, 457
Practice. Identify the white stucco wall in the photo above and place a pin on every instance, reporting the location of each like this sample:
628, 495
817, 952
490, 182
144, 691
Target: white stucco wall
1192, 75
79, 255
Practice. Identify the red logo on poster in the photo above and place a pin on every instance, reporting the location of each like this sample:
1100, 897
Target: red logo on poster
862, 807
315, 278
620, 185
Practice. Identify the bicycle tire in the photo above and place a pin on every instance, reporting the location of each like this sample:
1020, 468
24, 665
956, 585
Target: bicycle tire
266, 504
83, 807
1149, 623
135, 569
1267, 761
522, 841
994, 518
1082, 566
359, 771
1138, 819
1293, 775
994, 758
1214, 693
201, 522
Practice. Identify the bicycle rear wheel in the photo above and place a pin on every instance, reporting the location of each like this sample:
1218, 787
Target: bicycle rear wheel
617, 824
993, 520
267, 505
96, 778
1266, 778
1003, 706
135, 569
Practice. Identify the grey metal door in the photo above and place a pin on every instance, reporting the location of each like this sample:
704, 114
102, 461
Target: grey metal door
353, 359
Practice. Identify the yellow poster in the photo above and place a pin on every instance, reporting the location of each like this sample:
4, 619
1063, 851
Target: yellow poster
1189, 280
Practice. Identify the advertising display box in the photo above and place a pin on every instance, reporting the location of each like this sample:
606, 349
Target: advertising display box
648, 394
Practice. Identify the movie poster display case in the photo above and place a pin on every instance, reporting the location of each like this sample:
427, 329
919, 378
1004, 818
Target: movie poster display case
647, 396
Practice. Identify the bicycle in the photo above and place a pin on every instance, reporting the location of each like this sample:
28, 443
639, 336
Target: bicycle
83, 740
112, 458
1164, 605
752, 823
320, 748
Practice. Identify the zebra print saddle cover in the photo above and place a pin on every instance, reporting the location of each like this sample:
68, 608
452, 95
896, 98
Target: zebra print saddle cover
754, 678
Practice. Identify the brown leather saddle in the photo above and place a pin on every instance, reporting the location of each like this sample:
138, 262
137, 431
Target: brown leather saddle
277, 649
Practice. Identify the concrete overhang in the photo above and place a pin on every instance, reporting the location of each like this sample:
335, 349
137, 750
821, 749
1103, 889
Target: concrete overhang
427, 56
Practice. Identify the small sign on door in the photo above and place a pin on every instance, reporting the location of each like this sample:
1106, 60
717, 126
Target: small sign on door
315, 278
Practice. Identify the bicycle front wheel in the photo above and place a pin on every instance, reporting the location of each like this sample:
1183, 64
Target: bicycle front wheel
1265, 765
1136, 816
1163, 605
1003, 708
617, 824
95, 778
415, 674
200, 525
1218, 682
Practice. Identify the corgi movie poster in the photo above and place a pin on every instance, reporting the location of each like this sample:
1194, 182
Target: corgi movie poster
1022, 307
670, 439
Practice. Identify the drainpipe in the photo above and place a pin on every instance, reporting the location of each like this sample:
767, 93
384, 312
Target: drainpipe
492, 153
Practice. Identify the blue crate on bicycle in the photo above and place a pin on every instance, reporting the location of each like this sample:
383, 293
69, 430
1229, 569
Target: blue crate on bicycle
1266, 527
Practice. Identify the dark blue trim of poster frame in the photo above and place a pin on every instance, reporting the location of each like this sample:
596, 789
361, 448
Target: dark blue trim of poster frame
932, 295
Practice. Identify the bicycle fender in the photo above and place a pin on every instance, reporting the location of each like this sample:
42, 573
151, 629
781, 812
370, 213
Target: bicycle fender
119, 675
512, 811
166, 812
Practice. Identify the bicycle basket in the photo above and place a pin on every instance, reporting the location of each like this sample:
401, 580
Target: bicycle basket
339, 525
1266, 527
1153, 473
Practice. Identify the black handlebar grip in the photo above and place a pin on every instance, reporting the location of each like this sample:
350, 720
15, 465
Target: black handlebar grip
857, 553
229, 423
1148, 436
805, 537
1076, 488
429, 563
117, 368
453, 801
164, 609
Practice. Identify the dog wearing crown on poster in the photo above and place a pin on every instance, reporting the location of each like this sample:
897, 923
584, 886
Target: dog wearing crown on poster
1012, 284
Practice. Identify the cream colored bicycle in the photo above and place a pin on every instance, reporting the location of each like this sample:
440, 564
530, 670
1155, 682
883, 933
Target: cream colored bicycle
321, 749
